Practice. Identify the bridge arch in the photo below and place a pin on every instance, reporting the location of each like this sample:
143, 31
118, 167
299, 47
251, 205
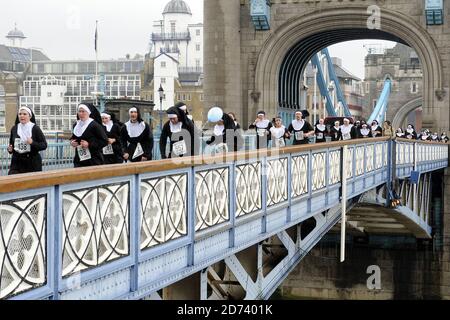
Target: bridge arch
311, 32
406, 109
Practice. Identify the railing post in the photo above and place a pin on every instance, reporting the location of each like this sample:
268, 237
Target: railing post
135, 210
343, 200
391, 169
57, 244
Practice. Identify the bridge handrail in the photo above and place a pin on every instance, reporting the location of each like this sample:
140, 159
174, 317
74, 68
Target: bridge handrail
21, 182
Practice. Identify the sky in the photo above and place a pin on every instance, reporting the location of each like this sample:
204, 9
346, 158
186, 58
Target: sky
64, 29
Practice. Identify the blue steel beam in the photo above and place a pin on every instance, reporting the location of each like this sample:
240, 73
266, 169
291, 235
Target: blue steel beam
323, 86
379, 112
339, 94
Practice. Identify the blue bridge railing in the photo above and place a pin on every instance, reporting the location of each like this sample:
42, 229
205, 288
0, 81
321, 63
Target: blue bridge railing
125, 231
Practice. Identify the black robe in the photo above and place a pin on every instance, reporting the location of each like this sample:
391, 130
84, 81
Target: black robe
411, 136
30, 161
176, 137
319, 133
376, 135
307, 127
262, 140
117, 157
96, 137
129, 144
335, 134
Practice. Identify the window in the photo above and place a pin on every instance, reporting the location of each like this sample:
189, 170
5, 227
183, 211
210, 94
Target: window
197, 63
197, 32
173, 26
197, 47
163, 80
201, 97
49, 94
374, 103
414, 87
163, 64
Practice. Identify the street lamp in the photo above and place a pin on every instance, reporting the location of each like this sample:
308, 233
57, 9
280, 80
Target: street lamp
161, 96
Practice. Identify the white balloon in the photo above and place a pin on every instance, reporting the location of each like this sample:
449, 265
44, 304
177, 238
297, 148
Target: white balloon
215, 114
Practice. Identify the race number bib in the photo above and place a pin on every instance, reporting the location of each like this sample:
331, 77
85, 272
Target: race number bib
179, 148
108, 150
280, 143
261, 132
299, 135
21, 147
320, 136
138, 152
221, 148
83, 154
346, 136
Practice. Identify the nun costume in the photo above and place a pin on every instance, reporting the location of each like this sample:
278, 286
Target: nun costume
112, 153
137, 138
25, 142
88, 137
180, 132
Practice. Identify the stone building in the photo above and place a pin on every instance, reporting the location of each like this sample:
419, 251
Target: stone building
401, 64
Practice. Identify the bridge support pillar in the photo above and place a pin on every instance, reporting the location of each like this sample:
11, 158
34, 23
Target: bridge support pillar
222, 61
186, 289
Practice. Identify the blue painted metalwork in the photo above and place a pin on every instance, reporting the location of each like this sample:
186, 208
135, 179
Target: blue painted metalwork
144, 271
260, 13
334, 78
380, 110
323, 86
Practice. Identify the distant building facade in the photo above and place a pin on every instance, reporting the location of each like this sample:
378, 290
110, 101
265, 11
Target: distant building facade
14, 61
53, 89
400, 64
351, 86
177, 58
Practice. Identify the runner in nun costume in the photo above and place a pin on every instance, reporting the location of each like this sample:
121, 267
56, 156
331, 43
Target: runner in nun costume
364, 132
335, 131
137, 138
321, 131
279, 134
223, 138
262, 126
348, 131
88, 137
377, 131
112, 153
300, 129
180, 133
411, 133
25, 142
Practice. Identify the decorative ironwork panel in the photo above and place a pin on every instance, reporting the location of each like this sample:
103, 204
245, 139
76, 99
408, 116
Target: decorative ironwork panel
334, 167
22, 245
95, 226
248, 188
359, 161
211, 203
299, 176
379, 156
350, 162
318, 171
163, 209
277, 181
